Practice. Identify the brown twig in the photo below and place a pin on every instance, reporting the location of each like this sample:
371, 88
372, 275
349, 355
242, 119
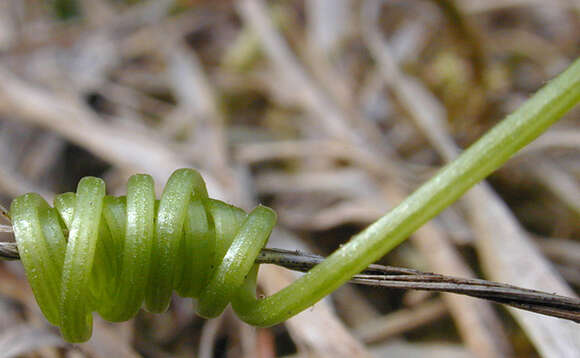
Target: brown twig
404, 278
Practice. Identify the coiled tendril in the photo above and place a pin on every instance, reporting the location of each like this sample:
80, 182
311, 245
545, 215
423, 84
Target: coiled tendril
94, 252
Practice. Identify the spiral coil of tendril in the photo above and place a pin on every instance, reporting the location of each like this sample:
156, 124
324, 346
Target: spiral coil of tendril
94, 252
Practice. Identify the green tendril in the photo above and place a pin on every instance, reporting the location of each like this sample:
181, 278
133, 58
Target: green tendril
93, 252
110, 254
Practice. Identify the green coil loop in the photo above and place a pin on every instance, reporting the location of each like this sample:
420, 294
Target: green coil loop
94, 252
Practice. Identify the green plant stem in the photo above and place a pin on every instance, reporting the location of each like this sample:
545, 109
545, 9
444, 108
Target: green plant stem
483, 157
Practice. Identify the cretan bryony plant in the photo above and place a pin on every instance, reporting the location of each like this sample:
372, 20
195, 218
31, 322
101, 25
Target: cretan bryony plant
93, 252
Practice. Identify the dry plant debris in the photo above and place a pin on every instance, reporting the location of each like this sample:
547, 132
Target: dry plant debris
330, 111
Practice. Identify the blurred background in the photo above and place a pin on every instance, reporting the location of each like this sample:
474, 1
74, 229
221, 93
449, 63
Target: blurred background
330, 112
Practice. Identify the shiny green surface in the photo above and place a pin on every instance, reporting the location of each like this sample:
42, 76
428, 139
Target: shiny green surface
110, 254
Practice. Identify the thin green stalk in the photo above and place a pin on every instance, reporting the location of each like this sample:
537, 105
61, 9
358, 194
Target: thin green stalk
483, 157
